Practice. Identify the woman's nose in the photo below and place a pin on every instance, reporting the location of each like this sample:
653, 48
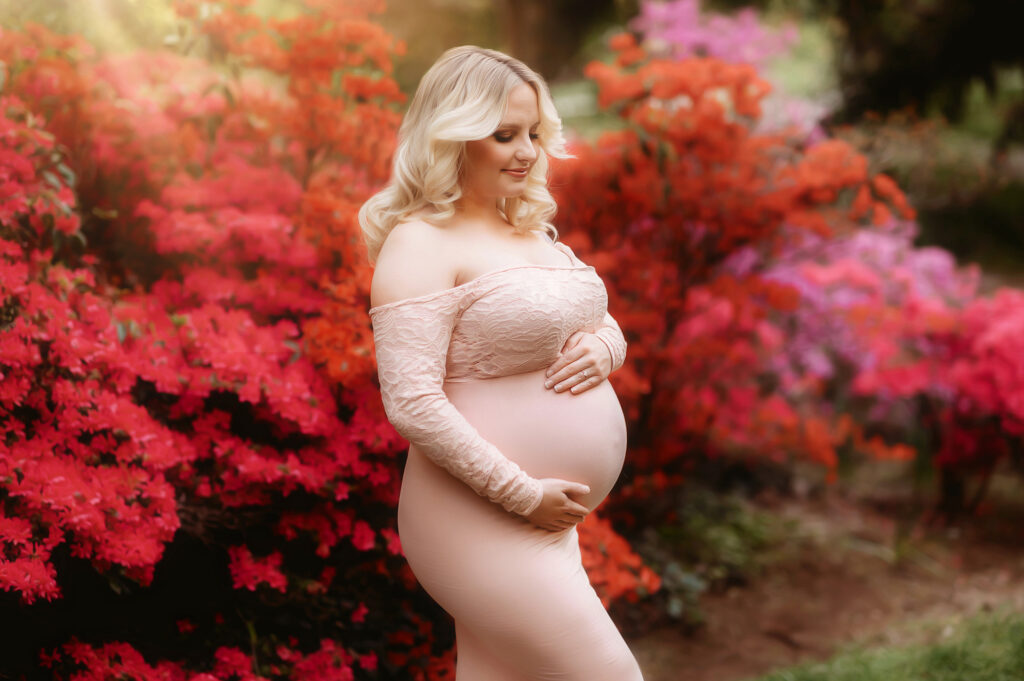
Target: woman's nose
526, 150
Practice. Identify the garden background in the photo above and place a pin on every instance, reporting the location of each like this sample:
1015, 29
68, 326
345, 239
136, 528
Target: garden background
809, 219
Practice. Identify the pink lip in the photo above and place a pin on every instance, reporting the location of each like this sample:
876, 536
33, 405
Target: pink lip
517, 171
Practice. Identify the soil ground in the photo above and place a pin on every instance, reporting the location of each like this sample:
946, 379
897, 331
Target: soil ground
841, 585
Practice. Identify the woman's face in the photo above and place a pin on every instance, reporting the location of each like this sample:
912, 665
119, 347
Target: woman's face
497, 166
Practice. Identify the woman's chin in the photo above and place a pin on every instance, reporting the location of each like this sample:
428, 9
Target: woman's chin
514, 192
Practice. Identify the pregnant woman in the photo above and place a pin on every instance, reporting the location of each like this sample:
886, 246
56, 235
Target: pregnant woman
493, 349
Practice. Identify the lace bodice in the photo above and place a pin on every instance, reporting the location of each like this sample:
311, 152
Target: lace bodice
505, 322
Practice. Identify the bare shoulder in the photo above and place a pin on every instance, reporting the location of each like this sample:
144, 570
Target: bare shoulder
415, 260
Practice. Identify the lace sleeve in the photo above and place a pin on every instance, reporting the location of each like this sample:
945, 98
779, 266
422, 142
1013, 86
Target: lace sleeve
611, 335
411, 339
608, 331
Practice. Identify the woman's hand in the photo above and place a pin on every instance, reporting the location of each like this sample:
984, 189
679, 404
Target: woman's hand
557, 510
583, 363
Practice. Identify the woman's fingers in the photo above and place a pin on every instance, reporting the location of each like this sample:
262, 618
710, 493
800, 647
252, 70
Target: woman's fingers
575, 377
578, 509
573, 508
585, 385
572, 375
560, 526
558, 510
580, 368
564, 523
562, 367
570, 487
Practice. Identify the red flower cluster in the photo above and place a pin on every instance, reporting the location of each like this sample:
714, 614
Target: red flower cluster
248, 572
80, 459
615, 570
962, 369
79, 661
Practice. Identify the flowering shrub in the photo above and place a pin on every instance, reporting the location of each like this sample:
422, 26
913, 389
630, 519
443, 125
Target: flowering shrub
776, 305
669, 200
897, 338
615, 570
159, 384
82, 661
949, 377
682, 29
679, 29
844, 277
36, 314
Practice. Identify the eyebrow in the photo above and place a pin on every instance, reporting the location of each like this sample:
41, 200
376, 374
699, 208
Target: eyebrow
515, 126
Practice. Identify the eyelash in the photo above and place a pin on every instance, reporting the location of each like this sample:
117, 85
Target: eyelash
500, 138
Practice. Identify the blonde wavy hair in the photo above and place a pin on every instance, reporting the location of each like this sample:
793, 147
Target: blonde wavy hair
462, 97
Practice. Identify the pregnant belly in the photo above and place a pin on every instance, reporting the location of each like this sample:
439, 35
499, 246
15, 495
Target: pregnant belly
581, 438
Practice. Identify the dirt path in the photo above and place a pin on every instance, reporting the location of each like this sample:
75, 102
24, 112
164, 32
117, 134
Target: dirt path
840, 586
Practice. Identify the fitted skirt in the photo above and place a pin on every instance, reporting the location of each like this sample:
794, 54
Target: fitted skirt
523, 606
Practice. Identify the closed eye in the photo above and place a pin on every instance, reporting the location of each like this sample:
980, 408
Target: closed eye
508, 137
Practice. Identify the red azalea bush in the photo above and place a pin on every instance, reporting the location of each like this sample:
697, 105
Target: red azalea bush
165, 408
725, 248
667, 199
35, 199
949, 380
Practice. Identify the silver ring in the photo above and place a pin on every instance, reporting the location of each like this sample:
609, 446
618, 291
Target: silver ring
586, 372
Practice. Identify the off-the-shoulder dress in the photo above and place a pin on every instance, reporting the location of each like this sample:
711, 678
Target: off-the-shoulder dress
462, 378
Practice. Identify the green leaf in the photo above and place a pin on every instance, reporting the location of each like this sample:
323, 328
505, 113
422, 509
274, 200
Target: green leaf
53, 179
68, 174
296, 351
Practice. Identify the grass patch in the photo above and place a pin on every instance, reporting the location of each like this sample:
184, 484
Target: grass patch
984, 648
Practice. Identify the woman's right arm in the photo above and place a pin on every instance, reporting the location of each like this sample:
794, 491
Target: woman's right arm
415, 310
411, 339
415, 306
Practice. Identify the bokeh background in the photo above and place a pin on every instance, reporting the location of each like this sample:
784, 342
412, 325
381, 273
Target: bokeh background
810, 218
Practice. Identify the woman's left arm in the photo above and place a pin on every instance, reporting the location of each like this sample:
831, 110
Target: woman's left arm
610, 333
587, 358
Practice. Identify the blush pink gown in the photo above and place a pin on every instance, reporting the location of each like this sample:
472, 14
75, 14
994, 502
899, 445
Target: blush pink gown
462, 378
